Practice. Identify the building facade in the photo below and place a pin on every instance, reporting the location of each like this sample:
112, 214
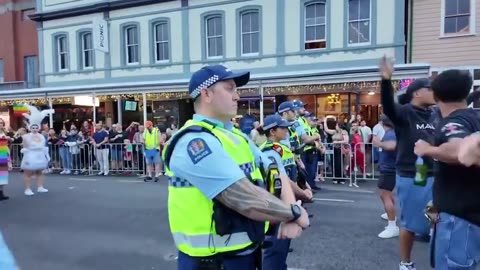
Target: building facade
446, 34
313, 48
18, 45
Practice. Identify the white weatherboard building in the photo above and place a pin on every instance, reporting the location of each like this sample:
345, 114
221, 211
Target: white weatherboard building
149, 46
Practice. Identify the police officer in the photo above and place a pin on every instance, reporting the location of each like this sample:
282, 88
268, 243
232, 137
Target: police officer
287, 111
309, 156
217, 201
276, 129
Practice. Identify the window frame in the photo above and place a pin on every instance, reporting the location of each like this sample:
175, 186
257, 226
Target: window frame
82, 48
326, 25
126, 45
258, 31
472, 21
370, 22
206, 40
58, 54
155, 42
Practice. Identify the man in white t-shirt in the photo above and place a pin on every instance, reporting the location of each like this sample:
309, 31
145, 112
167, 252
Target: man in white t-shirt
366, 132
378, 132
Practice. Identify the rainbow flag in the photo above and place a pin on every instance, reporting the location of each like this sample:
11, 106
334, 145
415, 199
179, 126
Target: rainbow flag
3, 161
19, 109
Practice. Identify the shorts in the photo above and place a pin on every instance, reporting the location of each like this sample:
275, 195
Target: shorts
412, 200
152, 156
457, 243
387, 181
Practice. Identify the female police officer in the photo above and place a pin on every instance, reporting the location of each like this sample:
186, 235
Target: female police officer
217, 205
275, 255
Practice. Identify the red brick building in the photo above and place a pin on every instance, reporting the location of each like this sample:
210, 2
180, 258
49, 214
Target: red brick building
18, 45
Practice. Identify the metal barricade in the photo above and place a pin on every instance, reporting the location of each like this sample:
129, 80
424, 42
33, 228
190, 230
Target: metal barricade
15, 155
85, 158
70, 158
336, 162
119, 159
365, 161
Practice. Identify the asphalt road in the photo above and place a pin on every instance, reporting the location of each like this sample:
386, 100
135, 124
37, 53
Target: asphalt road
120, 223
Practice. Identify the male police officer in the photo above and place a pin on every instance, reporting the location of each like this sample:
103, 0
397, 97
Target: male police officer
309, 156
276, 129
217, 205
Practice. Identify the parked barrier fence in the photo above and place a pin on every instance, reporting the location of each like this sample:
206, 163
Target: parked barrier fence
339, 162
84, 158
343, 163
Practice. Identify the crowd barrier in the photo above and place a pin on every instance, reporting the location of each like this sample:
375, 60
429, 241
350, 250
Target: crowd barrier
344, 162
127, 159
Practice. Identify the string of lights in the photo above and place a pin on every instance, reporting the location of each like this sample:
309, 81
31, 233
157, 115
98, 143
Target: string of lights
178, 94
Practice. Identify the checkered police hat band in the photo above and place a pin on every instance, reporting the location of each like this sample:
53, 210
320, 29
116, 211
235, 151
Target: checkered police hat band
207, 83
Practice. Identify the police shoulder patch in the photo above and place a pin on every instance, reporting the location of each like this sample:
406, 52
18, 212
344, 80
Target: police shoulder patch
277, 148
198, 149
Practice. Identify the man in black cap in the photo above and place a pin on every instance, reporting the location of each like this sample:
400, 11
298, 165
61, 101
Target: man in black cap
413, 121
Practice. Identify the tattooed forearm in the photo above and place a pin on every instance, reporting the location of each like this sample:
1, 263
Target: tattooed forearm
254, 202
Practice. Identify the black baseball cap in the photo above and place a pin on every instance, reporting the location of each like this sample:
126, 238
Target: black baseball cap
416, 85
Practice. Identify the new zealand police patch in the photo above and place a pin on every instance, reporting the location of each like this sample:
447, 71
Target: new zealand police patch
198, 149
278, 149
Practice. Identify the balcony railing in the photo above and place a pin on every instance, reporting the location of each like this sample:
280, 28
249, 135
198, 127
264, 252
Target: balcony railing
12, 85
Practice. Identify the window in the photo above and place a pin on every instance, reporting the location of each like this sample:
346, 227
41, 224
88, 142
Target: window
358, 21
131, 45
87, 50
456, 19
476, 74
214, 34
161, 42
315, 26
250, 29
62, 53
30, 65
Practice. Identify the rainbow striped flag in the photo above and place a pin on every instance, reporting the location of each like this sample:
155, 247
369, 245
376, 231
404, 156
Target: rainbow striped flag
19, 109
3, 161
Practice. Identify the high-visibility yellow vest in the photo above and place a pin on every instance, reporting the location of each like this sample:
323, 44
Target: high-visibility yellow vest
151, 139
285, 153
303, 122
190, 212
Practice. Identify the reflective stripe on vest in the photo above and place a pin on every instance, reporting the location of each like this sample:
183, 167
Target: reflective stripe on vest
189, 211
202, 241
151, 139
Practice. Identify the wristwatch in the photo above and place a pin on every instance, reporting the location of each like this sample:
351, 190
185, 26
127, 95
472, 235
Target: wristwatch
296, 211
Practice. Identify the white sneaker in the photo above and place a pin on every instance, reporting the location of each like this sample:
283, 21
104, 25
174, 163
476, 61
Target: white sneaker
407, 266
42, 190
390, 232
384, 216
62, 172
28, 192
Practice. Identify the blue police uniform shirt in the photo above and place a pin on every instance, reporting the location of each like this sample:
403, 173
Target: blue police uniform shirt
272, 154
7, 262
298, 128
201, 159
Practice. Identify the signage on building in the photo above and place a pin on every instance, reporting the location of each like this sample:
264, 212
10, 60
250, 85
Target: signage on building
86, 101
100, 35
